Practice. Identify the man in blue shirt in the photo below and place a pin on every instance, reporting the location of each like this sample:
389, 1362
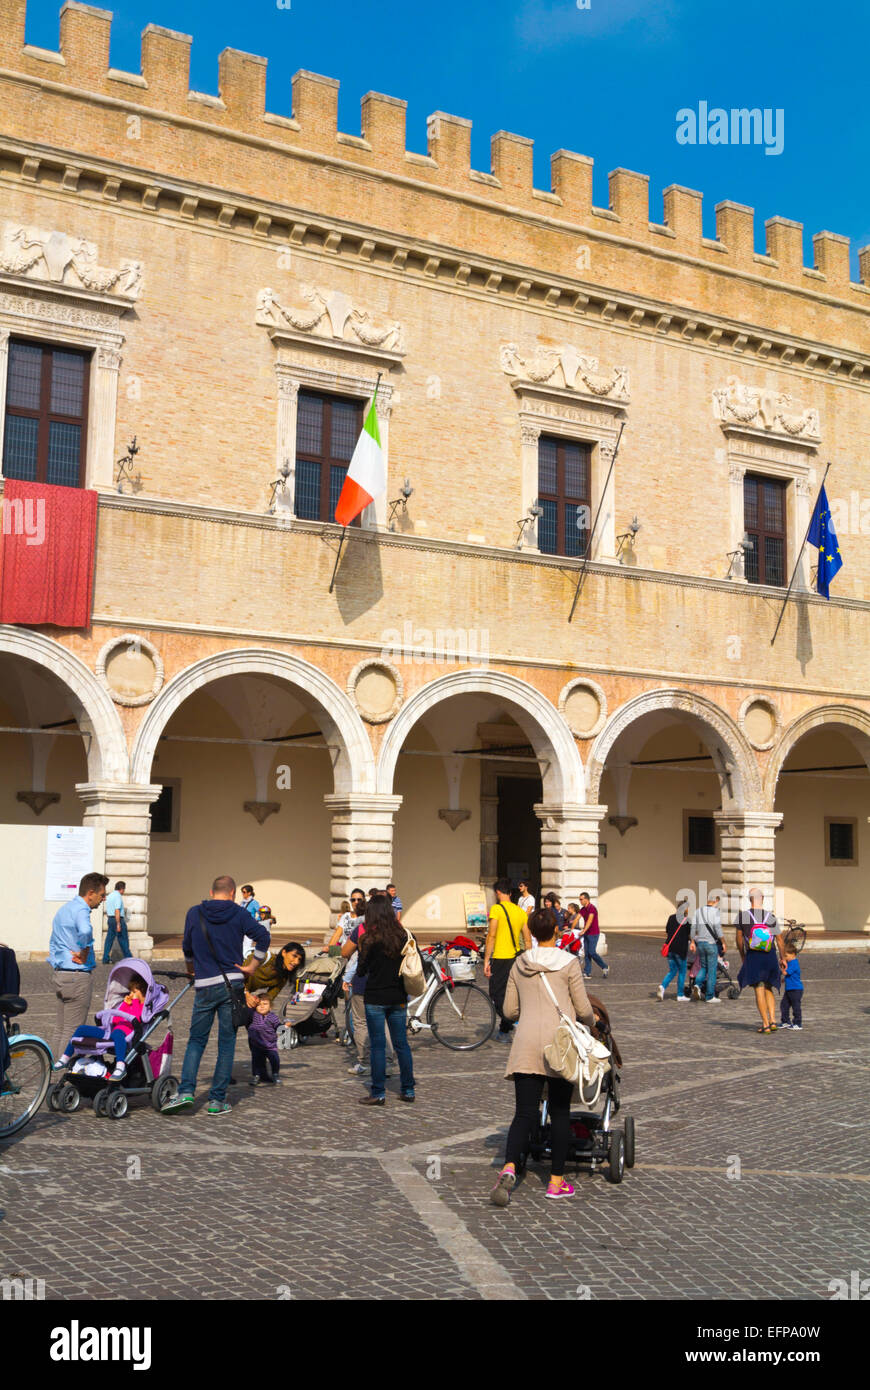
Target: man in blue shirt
116, 923
398, 905
71, 957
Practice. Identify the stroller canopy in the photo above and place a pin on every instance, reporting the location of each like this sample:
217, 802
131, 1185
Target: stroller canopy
118, 985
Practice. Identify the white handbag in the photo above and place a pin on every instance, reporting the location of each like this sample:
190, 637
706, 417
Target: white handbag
576, 1055
411, 969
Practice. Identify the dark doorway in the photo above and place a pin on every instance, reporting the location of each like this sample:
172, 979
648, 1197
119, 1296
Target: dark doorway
519, 830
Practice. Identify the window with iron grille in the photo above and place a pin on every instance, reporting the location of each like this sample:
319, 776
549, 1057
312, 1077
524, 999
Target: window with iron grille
46, 406
563, 488
840, 841
699, 836
764, 520
327, 429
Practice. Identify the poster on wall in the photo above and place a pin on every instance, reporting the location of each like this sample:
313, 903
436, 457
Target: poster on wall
475, 909
69, 856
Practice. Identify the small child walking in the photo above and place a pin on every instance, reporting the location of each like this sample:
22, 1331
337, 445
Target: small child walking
792, 991
263, 1042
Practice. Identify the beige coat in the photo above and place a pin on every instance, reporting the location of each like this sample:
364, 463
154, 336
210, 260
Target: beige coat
526, 998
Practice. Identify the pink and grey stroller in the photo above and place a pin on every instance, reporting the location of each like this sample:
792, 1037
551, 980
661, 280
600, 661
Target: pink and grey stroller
148, 1068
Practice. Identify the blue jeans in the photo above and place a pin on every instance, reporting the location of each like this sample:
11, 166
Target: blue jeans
590, 954
706, 976
395, 1017
111, 933
676, 966
209, 1001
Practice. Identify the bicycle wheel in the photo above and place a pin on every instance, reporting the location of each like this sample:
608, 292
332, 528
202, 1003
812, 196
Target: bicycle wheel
461, 1018
24, 1085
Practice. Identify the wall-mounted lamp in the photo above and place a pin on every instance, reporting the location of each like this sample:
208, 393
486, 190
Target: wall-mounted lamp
739, 553
400, 503
125, 469
627, 539
280, 501
535, 512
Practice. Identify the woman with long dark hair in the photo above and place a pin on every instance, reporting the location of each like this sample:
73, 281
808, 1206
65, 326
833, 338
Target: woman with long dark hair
380, 940
274, 974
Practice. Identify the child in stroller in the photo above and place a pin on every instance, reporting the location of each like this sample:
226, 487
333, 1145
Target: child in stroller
310, 1012
725, 982
120, 1024
124, 1027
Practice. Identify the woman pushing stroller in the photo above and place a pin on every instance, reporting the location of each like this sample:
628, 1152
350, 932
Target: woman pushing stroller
528, 999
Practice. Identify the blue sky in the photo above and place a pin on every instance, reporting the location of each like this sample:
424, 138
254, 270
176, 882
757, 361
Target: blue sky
606, 81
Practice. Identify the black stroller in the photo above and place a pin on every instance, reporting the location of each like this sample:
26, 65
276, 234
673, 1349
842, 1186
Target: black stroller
725, 983
594, 1141
310, 1012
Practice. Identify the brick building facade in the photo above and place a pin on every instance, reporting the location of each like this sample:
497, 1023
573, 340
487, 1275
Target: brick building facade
235, 283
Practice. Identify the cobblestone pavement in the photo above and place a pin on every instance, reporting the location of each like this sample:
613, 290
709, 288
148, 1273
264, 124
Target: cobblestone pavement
299, 1193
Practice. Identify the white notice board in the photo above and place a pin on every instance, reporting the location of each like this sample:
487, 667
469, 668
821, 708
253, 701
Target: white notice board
69, 855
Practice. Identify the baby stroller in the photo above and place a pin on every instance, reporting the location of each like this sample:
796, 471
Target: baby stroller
310, 1012
725, 982
594, 1141
148, 1068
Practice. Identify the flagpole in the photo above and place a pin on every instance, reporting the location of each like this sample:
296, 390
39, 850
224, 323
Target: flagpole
800, 553
588, 549
344, 528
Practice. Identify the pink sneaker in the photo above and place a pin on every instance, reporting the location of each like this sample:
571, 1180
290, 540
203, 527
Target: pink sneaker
566, 1190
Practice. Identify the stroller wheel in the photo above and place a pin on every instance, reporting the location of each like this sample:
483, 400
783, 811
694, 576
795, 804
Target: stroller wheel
69, 1098
734, 992
628, 1129
164, 1089
291, 1038
53, 1094
116, 1105
616, 1156
100, 1102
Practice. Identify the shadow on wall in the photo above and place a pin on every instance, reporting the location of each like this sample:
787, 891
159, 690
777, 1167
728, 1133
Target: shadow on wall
359, 583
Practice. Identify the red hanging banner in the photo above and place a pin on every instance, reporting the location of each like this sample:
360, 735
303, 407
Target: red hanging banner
47, 556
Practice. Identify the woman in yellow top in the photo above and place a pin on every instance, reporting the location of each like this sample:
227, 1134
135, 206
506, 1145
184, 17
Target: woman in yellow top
507, 935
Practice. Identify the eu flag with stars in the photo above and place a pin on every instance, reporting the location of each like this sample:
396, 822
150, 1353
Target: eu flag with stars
823, 535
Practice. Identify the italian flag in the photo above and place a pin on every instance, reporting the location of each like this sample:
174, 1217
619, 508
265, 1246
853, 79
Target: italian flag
365, 478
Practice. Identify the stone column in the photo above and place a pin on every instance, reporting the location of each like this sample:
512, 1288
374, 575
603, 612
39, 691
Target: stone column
103, 415
748, 855
125, 812
569, 848
285, 445
362, 843
530, 435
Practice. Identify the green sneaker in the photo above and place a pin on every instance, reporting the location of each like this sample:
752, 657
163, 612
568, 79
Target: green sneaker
177, 1103
217, 1107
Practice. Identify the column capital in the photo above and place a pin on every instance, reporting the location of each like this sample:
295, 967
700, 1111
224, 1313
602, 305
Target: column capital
362, 803
117, 794
743, 821
561, 811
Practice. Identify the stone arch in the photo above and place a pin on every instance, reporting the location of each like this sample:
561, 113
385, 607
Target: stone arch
106, 745
354, 767
734, 761
854, 722
547, 731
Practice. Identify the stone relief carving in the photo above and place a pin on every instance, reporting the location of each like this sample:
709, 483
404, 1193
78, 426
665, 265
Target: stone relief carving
57, 258
565, 366
757, 408
333, 315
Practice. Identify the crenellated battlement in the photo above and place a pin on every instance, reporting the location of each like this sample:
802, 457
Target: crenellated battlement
163, 86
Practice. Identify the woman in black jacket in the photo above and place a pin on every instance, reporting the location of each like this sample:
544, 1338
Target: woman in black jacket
677, 936
379, 940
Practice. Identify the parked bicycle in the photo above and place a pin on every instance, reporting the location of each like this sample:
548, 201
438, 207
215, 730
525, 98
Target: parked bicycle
26, 1081
457, 1012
